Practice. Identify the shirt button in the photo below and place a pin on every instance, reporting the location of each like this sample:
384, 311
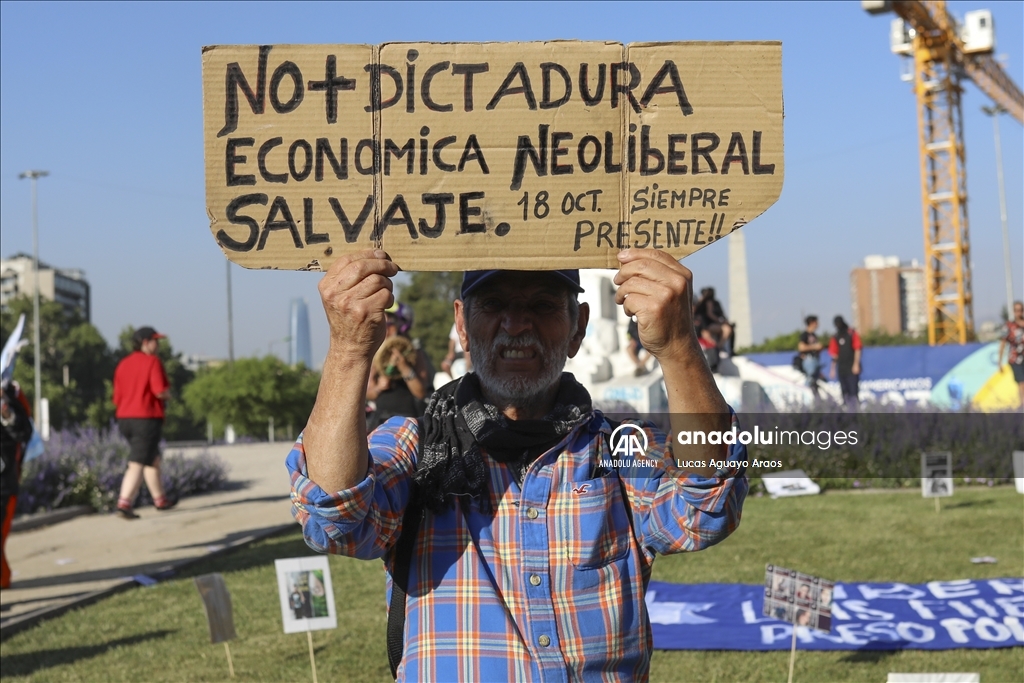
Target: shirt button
544, 641
531, 513
535, 581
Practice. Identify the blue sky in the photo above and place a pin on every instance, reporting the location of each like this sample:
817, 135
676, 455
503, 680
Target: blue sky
108, 98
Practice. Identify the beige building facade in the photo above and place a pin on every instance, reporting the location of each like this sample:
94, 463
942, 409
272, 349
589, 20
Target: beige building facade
888, 295
66, 286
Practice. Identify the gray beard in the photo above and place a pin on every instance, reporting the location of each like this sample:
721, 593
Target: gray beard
517, 391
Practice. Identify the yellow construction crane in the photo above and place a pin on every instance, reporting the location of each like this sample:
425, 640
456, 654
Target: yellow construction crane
944, 53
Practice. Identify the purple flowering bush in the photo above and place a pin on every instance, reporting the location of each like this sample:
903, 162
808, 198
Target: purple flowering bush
85, 466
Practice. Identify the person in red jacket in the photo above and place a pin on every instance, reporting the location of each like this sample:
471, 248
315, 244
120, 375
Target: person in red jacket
140, 391
1014, 340
845, 348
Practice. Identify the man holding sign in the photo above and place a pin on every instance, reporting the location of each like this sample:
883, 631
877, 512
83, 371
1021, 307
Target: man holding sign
531, 557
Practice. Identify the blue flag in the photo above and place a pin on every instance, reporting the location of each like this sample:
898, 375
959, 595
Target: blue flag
938, 615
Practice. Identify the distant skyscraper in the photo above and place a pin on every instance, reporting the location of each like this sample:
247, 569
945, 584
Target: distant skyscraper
299, 349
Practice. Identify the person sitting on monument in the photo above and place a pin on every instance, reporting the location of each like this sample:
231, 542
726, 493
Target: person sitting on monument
809, 348
708, 311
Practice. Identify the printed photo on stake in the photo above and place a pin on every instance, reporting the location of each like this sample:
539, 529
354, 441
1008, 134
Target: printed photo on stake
797, 598
824, 622
806, 590
825, 595
781, 582
782, 611
823, 607
306, 594
936, 475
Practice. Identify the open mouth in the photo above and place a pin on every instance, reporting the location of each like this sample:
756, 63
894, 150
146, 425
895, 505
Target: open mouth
518, 354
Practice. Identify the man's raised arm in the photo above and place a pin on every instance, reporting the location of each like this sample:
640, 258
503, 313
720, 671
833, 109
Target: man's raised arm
658, 290
355, 292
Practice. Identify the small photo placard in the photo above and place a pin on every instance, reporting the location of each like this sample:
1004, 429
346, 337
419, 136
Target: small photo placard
789, 483
936, 475
1018, 470
306, 593
798, 598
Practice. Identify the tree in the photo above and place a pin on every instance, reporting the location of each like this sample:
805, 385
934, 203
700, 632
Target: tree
876, 337
782, 342
879, 337
66, 340
247, 393
431, 296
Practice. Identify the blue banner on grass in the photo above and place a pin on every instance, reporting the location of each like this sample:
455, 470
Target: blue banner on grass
939, 615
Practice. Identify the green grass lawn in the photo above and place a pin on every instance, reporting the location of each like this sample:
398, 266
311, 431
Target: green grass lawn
160, 633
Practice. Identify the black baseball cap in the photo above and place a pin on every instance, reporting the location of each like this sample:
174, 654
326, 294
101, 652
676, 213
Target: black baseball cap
474, 278
145, 334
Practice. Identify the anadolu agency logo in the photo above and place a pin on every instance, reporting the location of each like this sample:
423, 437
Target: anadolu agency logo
628, 441
628, 445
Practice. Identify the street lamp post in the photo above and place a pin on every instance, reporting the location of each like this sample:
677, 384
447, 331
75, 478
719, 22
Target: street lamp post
994, 112
231, 323
35, 176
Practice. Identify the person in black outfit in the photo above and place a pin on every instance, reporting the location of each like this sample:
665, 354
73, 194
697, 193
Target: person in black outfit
810, 348
635, 347
15, 433
297, 604
709, 315
845, 349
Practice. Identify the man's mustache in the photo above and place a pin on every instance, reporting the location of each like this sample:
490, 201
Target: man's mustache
528, 339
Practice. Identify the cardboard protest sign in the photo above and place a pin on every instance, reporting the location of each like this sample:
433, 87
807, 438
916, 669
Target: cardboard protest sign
307, 597
219, 615
217, 601
798, 598
478, 155
936, 475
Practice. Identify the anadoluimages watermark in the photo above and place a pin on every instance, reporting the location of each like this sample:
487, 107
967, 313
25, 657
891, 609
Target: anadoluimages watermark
823, 439
629, 443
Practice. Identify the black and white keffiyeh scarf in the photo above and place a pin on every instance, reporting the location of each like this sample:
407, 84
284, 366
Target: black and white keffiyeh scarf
458, 421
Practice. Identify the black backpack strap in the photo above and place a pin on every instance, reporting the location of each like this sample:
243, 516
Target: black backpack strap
400, 579
400, 583
615, 424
